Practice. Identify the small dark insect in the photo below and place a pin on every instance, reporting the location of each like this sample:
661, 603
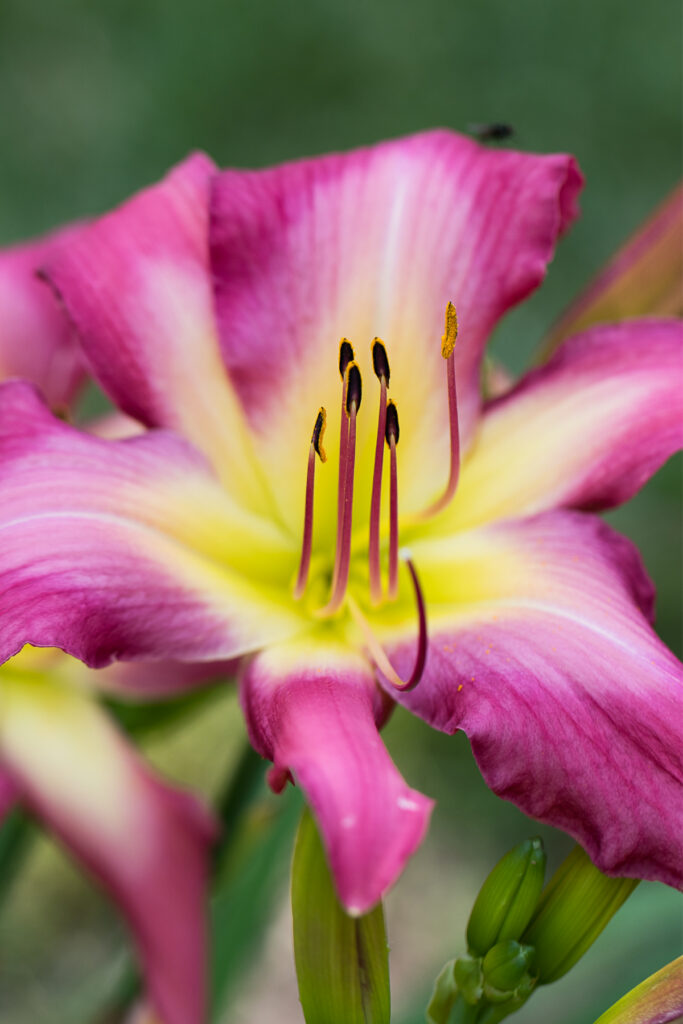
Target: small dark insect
491, 132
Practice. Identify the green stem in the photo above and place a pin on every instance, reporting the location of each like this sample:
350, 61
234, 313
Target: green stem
238, 794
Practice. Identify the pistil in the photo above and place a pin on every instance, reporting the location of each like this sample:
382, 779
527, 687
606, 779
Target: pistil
353, 389
448, 352
377, 652
380, 364
316, 448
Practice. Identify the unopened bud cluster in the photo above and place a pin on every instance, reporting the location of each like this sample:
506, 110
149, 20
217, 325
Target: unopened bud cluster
520, 935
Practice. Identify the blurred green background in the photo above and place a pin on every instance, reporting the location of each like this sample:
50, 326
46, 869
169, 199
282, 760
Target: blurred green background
99, 98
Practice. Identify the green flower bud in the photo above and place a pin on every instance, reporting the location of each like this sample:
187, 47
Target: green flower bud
444, 995
508, 897
469, 979
575, 906
496, 1012
504, 967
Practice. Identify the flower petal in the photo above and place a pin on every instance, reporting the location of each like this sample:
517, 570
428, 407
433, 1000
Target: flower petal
586, 430
36, 340
542, 653
375, 242
643, 279
129, 548
144, 840
313, 709
135, 284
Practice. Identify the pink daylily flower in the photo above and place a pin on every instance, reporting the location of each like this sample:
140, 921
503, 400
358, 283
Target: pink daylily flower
210, 307
146, 841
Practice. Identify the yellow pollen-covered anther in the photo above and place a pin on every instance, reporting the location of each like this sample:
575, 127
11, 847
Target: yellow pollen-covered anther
451, 332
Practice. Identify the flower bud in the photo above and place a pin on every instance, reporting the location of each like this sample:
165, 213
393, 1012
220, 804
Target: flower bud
444, 996
468, 978
574, 908
493, 1013
508, 897
504, 967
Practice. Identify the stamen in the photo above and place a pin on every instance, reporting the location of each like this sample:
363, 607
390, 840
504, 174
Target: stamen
340, 579
316, 448
380, 364
392, 433
345, 358
447, 351
376, 650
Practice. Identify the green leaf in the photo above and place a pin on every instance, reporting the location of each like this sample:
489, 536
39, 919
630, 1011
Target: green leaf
342, 962
141, 717
251, 870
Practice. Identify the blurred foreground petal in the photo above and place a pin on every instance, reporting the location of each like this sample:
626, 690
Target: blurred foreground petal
146, 842
645, 278
657, 1000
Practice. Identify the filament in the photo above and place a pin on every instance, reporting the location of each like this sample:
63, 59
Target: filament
340, 577
381, 367
345, 359
392, 434
316, 448
393, 522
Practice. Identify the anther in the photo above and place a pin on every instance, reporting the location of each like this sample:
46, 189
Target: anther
450, 334
316, 448
340, 578
378, 653
392, 433
448, 352
345, 356
380, 363
354, 388
318, 434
